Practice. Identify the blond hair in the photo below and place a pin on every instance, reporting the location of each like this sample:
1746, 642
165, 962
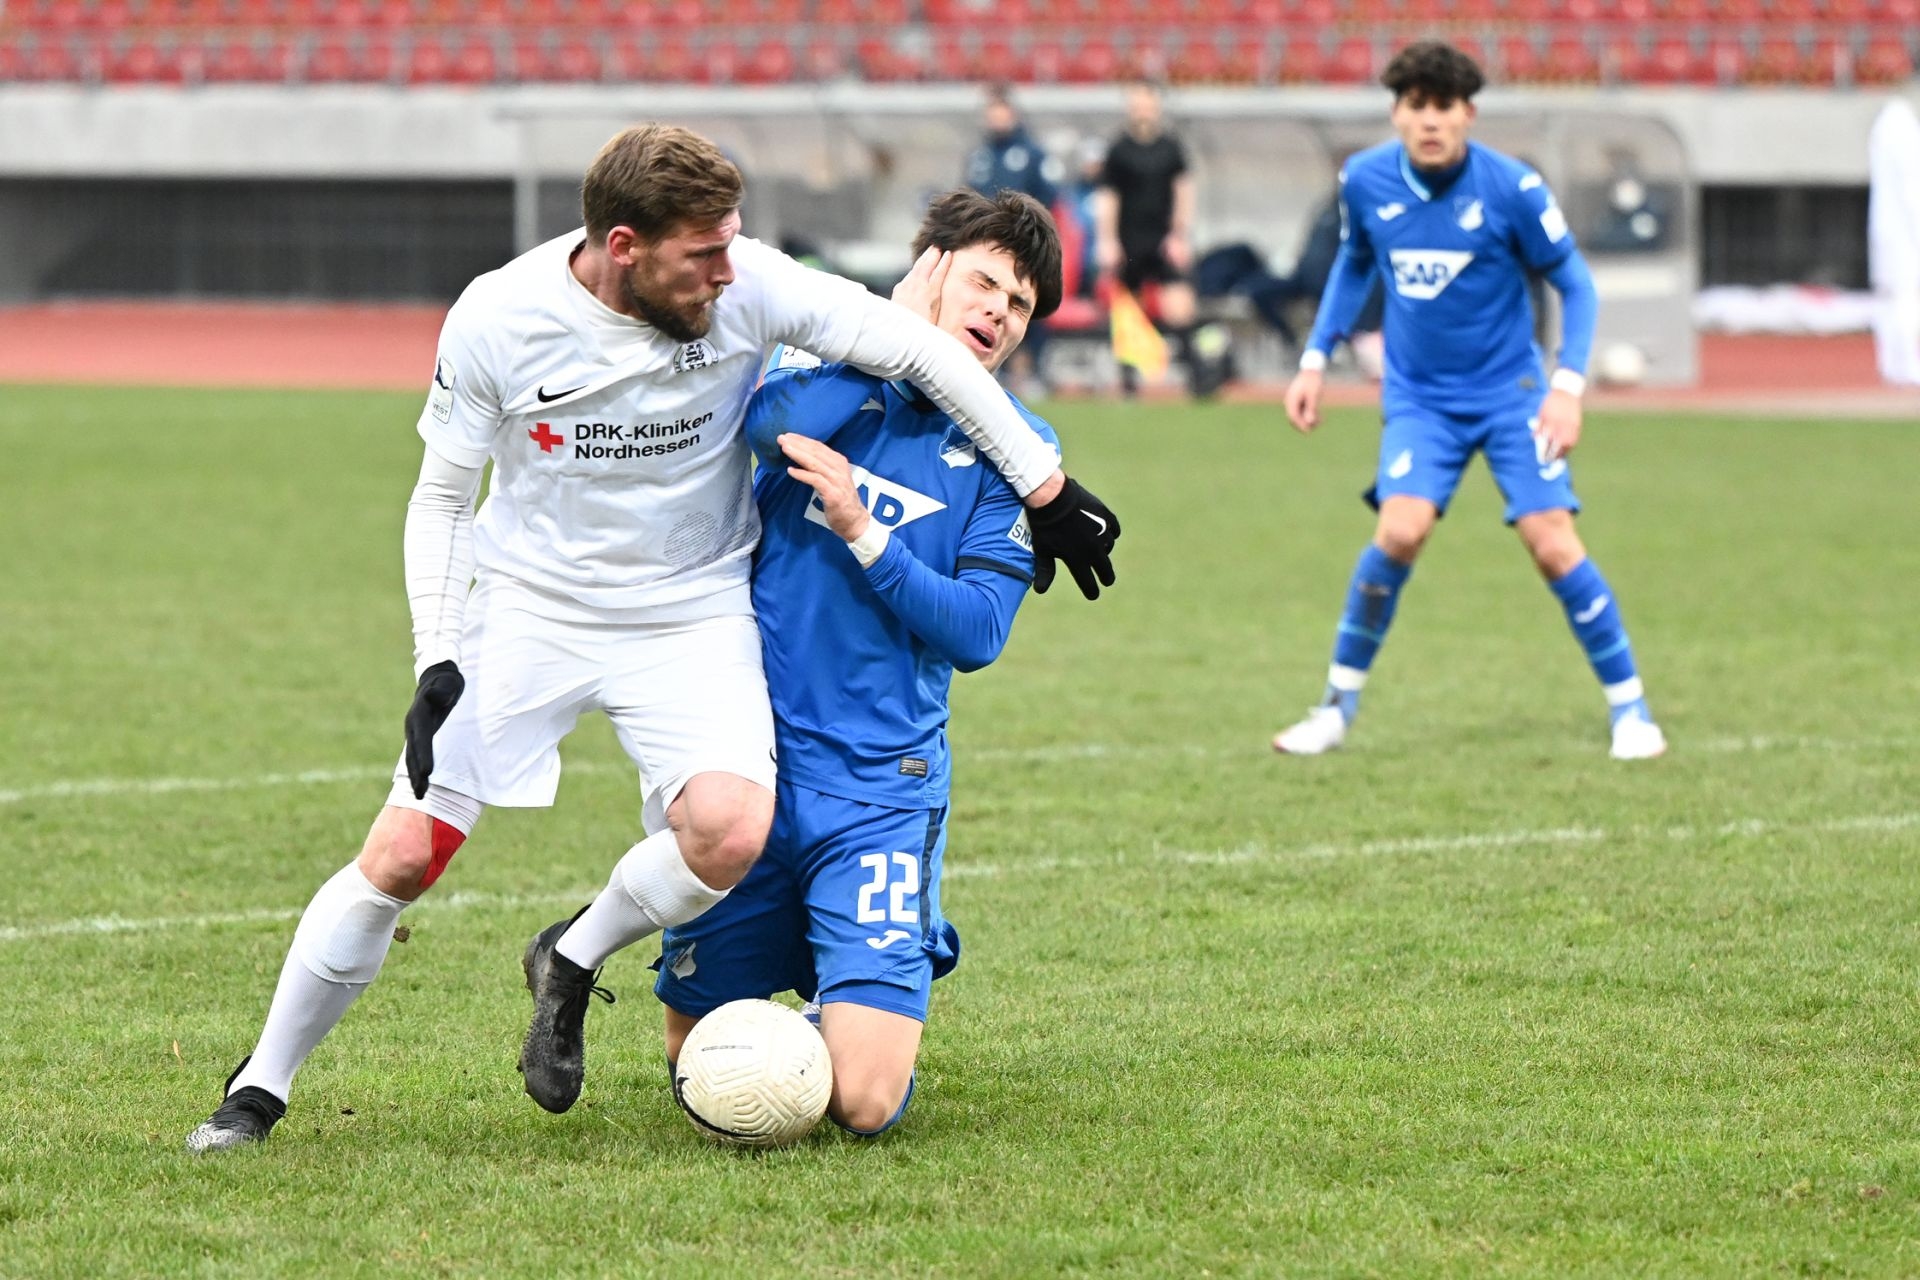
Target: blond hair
656, 178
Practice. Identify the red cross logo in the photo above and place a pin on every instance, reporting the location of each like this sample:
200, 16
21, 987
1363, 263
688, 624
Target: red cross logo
542, 434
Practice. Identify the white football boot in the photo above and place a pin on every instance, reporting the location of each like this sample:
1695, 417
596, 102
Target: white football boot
1324, 729
1635, 737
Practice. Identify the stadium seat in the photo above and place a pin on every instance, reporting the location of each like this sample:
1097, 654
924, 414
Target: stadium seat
1670, 60
771, 61
1197, 60
1350, 63
1570, 60
143, 60
1885, 61
825, 57
1777, 60
53, 58
1302, 61
246, 59
1094, 61
880, 61
1520, 60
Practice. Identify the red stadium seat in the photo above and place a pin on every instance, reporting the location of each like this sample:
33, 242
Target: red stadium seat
1570, 60
771, 61
1520, 60
53, 58
143, 60
1196, 61
1095, 61
110, 15
825, 57
1904, 12
1351, 62
239, 60
1777, 60
1302, 62
429, 61
1887, 60
880, 61
1670, 60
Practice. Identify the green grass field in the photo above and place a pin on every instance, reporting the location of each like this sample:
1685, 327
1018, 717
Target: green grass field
1468, 999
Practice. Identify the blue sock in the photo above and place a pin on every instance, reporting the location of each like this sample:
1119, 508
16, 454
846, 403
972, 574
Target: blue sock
1372, 596
893, 1119
1594, 616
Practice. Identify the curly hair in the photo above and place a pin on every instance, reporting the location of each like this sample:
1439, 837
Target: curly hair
1434, 71
1011, 220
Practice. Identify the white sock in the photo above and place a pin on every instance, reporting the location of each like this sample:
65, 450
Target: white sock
651, 889
338, 948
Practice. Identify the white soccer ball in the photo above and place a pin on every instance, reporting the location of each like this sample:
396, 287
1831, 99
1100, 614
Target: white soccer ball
753, 1073
1621, 364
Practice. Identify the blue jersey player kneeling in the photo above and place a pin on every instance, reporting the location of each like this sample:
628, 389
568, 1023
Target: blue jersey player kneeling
889, 558
1457, 230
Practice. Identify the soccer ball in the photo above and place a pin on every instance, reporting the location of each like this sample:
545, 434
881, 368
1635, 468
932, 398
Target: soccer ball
1621, 364
753, 1073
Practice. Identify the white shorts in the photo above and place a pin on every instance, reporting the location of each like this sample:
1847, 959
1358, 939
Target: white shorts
684, 698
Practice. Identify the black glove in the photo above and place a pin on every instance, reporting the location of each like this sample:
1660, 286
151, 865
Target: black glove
1077, 529
440, 687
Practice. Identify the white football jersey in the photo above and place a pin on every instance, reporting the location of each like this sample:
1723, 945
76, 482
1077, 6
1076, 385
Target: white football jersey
621, 478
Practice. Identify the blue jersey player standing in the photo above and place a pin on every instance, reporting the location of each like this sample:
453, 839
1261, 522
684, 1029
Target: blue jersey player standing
889, 558
1457, 230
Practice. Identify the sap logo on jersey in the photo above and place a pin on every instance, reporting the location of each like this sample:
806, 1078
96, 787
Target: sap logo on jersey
1422, 273
893, 505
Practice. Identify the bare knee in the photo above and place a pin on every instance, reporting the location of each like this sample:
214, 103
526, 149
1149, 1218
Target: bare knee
398, 853
873, 1054
867, 1105
1404, 527
1177, 304
721, 823
1552, 542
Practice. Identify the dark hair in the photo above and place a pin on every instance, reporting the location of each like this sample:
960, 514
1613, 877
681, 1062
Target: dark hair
1011, 220
656, 178
1434, 71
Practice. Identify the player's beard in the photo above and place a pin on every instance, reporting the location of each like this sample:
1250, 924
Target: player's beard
679, 323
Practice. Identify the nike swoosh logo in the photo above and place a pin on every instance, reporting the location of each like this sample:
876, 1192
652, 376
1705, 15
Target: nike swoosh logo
872, 404
558, 395
1100, 525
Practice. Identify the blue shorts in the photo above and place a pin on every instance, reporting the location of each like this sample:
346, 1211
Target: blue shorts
843, 905
1424, 450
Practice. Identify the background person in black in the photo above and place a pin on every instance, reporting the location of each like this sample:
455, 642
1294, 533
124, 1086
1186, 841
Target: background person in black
1144, 222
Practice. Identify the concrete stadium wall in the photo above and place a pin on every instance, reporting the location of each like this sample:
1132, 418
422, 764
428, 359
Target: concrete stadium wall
1731, 137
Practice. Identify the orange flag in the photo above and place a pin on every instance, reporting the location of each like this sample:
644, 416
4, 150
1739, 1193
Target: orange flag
1135, 341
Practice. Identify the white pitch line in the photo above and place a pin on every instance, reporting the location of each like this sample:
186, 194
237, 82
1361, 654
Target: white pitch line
1750, 828
265, 915
1050, 754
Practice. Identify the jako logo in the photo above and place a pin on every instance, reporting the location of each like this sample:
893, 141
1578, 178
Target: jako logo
893, 505
1423, 273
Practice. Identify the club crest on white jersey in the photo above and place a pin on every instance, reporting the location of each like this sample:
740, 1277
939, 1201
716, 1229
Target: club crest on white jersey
1422, 274
697, 354
891, 503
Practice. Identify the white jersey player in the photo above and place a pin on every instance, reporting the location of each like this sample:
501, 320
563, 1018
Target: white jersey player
606, 375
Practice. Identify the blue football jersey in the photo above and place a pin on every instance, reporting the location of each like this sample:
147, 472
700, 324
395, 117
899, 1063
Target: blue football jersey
1459, 322
860, 701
